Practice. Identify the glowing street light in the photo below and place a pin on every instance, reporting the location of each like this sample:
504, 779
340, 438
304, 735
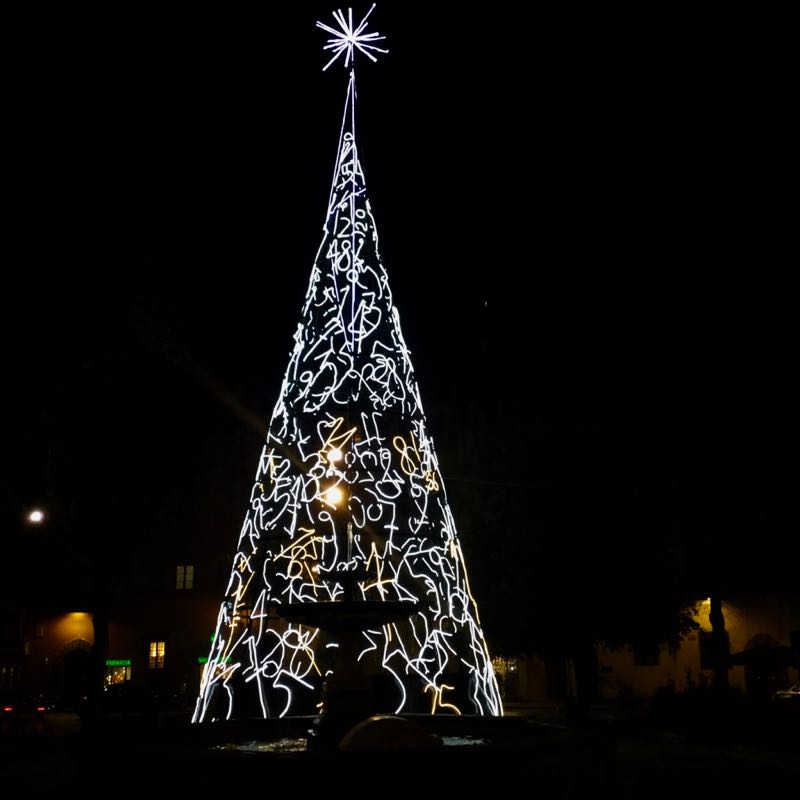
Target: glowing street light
35, 516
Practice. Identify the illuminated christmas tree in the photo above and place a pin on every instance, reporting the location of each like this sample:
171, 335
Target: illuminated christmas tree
348, 480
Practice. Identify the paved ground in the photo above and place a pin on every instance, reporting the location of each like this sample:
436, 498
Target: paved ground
131, 758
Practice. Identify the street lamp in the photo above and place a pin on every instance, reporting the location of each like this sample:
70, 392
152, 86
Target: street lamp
35, 516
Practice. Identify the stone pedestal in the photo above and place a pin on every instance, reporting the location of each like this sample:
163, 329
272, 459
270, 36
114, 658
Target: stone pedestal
347, 695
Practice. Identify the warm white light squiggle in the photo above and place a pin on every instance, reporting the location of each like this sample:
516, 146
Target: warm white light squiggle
348, 478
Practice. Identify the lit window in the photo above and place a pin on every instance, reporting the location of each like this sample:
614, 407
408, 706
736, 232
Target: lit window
118, 670
506, 671
242, 615
184, 576
504, 666
156, 660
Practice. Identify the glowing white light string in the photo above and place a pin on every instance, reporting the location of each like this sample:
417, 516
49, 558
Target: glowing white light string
348, 479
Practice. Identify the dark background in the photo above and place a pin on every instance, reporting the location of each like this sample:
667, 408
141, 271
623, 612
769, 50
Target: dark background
586, 222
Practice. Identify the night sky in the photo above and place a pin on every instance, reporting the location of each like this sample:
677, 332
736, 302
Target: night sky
584, 221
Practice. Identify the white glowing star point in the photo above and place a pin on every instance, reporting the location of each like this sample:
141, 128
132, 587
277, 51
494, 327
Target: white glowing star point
349, 38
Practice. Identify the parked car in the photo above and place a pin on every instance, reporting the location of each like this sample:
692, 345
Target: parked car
792, 694
17, 702
20, 707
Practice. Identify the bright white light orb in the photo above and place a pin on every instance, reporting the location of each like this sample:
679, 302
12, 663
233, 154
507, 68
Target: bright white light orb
36, 516
334, 496
335, 455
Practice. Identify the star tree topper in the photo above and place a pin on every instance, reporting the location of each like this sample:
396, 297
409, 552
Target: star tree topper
348, 38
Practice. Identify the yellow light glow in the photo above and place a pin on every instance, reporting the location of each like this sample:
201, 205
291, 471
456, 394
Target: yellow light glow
438, 692
409, 455
334, 496
73, 625
431, 483
334, 455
